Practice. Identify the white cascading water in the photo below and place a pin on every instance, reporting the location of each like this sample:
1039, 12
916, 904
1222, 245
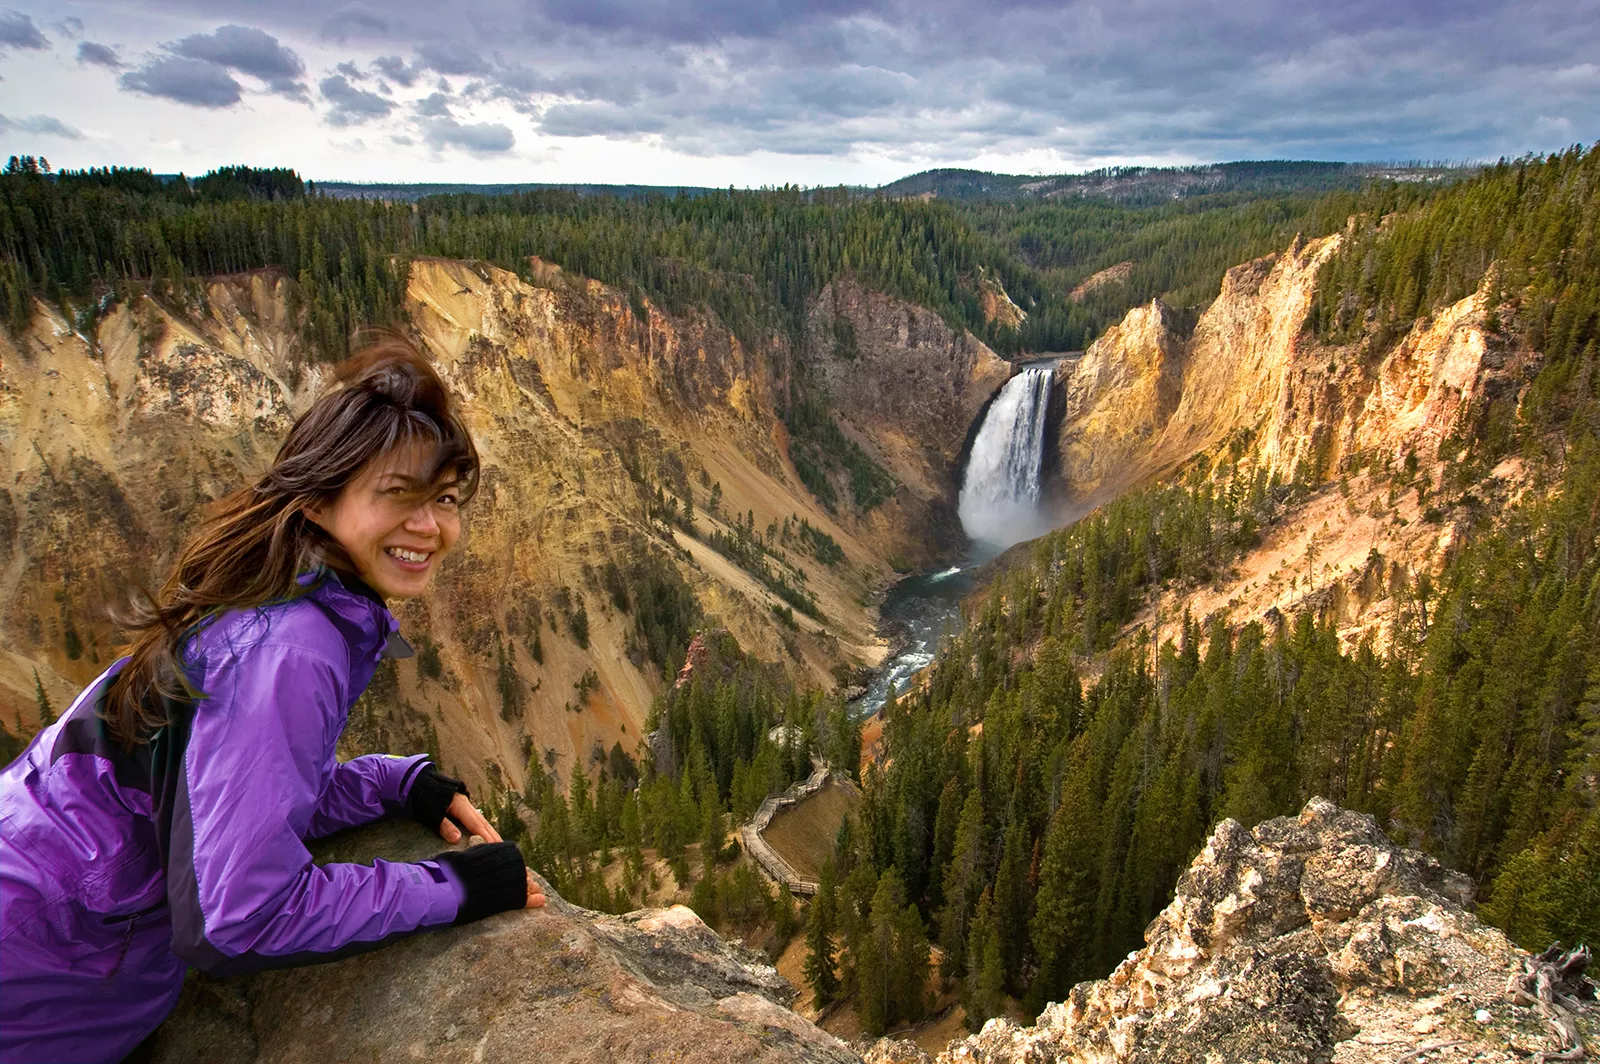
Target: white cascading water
999, 502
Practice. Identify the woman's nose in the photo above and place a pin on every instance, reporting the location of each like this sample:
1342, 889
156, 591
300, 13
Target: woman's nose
422, 521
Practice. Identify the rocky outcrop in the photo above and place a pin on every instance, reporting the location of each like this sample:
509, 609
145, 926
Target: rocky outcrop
907, 387
1309, 938
1111, 275
998, 308
561, 985
1118, 397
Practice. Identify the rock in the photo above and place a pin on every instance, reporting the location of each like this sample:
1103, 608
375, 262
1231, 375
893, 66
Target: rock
565, 984
1310, 938
890, 1051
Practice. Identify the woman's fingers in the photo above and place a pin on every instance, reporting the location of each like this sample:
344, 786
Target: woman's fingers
463, 812
535, 893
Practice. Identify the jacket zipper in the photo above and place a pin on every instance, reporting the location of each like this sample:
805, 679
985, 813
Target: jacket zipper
127, 940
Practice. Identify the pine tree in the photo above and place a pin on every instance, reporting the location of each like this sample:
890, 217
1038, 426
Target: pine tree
983, 994
819, 965
1010, 902
962, 883
47, 713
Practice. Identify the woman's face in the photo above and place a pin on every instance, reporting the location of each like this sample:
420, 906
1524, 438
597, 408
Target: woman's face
394, 525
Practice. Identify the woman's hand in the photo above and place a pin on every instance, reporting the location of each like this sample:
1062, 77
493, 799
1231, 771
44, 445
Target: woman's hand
463, 812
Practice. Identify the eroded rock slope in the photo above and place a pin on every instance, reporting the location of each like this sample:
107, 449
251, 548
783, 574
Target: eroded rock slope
1309, 938
115, 434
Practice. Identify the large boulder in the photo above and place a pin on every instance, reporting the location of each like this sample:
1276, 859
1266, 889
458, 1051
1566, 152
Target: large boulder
1308, 939
559, 985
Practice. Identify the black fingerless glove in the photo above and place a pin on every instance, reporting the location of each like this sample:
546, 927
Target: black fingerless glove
494, 876
430, 796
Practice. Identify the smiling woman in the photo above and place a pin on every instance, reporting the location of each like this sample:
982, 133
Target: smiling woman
161, 822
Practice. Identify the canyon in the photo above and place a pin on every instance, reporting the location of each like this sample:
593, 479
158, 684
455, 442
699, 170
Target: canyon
117, 432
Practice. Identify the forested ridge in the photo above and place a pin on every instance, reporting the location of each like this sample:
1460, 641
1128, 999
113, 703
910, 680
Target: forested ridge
84, 240
1039, 821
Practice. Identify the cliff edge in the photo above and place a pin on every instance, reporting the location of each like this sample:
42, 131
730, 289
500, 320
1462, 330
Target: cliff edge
1309, 938
560, 986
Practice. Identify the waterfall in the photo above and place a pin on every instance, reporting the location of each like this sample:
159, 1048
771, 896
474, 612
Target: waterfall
999, 502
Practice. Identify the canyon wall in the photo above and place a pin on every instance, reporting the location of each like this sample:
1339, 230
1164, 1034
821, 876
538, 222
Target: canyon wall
117, 433
906, 387
1251, 392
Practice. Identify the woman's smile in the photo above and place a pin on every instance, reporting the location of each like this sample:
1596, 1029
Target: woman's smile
411, 560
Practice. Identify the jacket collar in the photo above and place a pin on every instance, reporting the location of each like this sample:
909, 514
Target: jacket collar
354, 600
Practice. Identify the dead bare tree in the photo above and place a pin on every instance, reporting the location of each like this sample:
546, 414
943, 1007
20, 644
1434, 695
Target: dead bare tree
1554, 983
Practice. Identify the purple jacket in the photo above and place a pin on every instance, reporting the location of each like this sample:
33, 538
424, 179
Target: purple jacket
117, 870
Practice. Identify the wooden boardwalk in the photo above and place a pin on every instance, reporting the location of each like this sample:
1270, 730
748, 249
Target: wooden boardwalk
769, 860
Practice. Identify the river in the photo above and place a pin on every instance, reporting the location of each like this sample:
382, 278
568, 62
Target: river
929, 608
1001, 503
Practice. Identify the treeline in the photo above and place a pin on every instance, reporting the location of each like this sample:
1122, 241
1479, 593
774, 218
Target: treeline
752, 257
1177, 251
1531, 225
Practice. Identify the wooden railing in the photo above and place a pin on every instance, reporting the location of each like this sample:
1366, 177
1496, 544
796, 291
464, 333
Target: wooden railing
769, 860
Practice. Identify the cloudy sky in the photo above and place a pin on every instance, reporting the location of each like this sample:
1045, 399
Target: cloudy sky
751, 92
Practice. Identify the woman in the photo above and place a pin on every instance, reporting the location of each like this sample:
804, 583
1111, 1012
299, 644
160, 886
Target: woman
160, 822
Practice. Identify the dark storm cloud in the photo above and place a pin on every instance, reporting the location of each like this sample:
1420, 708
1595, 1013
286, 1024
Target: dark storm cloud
352, 106
99, 55
190, 81
249, 51
18, 31
355, 21
947, 80
395, 69
483, 138
39, 125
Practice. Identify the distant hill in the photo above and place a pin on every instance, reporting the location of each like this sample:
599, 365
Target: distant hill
1137, 185
1129, 185
407, 192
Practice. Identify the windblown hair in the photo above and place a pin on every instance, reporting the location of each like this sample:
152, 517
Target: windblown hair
257, 542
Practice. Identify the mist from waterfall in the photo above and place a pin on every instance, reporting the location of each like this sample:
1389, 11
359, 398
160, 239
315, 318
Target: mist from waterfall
1000, 493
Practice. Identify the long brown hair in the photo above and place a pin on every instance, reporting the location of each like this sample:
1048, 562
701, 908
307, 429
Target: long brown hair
259, 539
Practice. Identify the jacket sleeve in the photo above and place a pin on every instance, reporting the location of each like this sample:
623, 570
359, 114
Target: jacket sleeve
242, 889
362, 790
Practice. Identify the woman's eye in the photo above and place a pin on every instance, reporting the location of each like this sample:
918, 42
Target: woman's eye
448, 498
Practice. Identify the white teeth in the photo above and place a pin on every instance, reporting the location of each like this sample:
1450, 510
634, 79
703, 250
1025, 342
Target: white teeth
407, 555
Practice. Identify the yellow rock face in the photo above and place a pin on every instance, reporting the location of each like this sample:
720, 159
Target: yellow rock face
1252, 391
115, 442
